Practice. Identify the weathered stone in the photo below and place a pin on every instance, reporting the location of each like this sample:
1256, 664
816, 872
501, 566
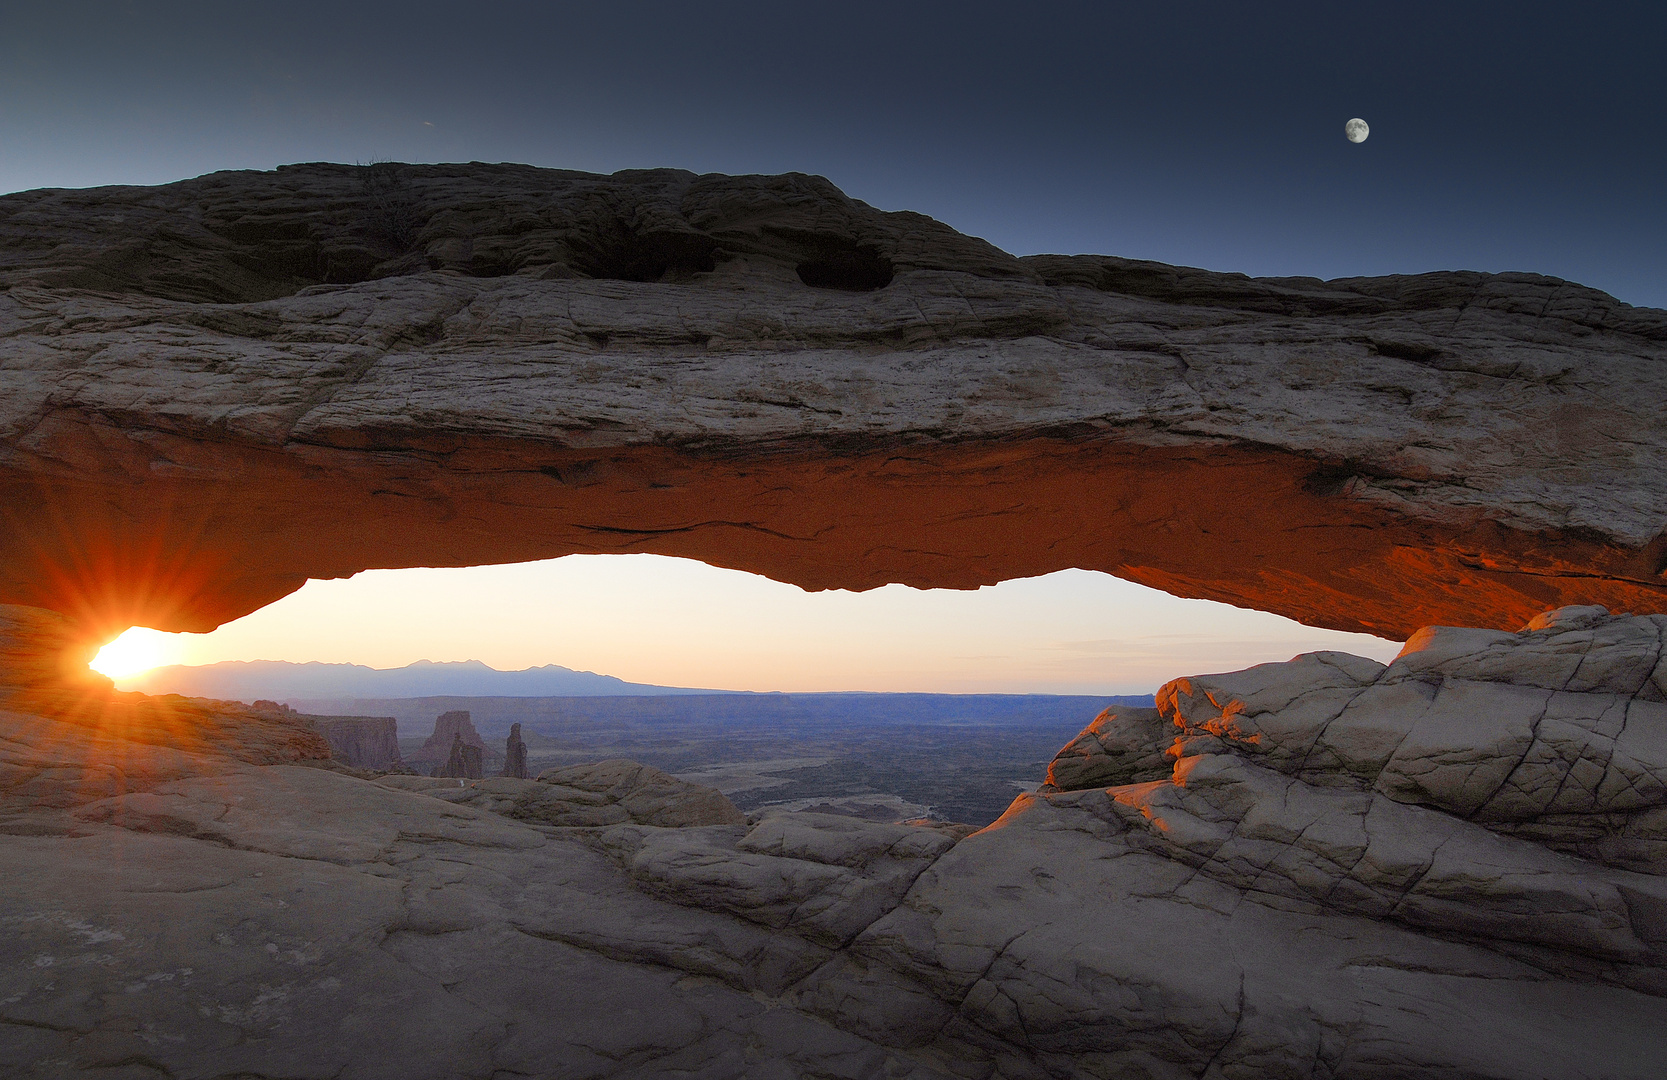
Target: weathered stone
218, 388
647, 795
360, 742
1558, 732
449, 727
823, 876
606, 793
463, 762
1124, 745
1269, 907
515, 754
1051, 931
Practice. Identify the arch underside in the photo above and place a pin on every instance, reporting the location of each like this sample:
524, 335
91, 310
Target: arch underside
220, 388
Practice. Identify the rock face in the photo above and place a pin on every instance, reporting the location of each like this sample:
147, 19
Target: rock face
515, 754
463, 762
218, 388
1447, 867
362, 742
609, 792
449, 727
1557, 734
43, 652
67, 737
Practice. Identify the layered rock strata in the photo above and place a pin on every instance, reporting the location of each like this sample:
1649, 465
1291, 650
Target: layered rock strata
449, 729
1443, 867
463, 762
218, 388
361, 742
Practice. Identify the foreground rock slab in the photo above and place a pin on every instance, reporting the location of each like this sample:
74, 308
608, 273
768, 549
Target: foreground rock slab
1319, 869
219, 388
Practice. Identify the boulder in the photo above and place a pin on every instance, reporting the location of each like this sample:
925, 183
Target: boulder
1557, 733
1124, 745
650, 796
220, 388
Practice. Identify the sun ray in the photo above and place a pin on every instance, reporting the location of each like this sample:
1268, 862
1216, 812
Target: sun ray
137, 649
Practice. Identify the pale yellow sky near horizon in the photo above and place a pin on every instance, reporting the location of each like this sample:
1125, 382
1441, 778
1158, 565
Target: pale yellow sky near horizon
676, 622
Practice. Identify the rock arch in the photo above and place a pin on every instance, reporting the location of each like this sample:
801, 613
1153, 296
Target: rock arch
219, 388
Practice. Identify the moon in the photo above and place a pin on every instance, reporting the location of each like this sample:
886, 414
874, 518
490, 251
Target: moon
1356, 130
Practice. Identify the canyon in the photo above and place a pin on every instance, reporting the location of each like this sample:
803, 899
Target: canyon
1453, 865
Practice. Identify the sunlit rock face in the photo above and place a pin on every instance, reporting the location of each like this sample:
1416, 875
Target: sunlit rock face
44, 651
1451, 866
218, 388
66, 736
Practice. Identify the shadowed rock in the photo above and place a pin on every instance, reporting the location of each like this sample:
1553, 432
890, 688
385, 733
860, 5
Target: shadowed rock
647, 795
219, 388
610, 792
463, 762
361, 742
1124, 745
515, 754
1449, 866
68, 738
449, 727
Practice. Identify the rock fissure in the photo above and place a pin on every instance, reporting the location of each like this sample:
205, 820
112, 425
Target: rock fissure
1533, 743
1319, 736
1238, 1019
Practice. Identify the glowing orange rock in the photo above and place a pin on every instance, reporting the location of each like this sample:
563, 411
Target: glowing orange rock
219, 388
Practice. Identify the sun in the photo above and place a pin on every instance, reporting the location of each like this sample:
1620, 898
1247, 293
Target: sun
137, 649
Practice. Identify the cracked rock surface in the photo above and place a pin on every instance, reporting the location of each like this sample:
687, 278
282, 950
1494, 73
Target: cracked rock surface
1329, 868
216, 389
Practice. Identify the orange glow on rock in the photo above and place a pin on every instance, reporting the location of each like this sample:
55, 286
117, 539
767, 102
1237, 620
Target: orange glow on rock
55, 703
153, 529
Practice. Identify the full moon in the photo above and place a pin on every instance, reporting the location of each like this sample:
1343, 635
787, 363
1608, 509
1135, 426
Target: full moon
1356, 130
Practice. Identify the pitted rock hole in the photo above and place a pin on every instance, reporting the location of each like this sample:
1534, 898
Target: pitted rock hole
851, 267
656, 256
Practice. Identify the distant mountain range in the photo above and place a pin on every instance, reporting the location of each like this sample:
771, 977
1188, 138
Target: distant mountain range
280, 680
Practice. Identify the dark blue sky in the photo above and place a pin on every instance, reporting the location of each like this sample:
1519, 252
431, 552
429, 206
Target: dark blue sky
1504, 136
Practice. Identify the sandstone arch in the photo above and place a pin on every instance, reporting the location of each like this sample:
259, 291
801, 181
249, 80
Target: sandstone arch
218, 388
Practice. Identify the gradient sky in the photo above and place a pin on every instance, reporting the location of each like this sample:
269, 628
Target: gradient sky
649, 618
1505, 136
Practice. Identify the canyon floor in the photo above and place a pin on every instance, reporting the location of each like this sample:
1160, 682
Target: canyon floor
1451, 866
881, 764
